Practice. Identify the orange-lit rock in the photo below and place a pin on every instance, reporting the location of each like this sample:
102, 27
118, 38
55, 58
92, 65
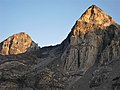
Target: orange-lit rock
16, 44
92, 19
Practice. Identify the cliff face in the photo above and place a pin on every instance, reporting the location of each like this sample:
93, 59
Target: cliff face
16, 44
91, 34
88, 59
94, 47
94, 40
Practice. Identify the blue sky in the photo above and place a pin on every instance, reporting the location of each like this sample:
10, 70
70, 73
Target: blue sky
48, 22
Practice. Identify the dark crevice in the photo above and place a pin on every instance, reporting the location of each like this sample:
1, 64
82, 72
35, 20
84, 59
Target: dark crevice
78, 58
11, 42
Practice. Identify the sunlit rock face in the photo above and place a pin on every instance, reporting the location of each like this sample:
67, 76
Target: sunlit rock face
92, 19
16, 44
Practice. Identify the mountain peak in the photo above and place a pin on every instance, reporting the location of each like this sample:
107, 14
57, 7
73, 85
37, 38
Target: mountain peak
16, 44
93, 18
97, 16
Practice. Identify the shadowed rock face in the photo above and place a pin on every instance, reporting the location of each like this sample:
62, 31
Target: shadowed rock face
16, 44
88, 59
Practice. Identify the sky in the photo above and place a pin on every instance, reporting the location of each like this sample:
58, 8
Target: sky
48, 22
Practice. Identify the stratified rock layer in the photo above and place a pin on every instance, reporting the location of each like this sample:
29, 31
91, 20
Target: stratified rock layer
88, 59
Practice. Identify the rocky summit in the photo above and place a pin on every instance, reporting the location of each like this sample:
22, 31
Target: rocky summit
88, 59
16, 44
92, 19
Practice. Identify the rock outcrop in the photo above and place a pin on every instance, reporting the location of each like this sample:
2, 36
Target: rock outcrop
16, 44
88, 59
